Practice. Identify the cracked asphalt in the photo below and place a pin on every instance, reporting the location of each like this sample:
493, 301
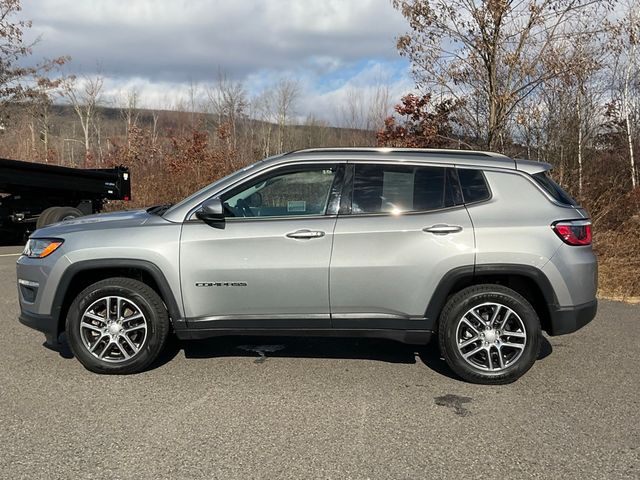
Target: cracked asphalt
294, 408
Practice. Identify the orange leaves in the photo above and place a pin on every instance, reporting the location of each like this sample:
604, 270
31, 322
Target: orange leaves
425, 125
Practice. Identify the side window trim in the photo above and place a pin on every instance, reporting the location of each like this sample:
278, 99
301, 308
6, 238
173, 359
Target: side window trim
453, 182
346, 197
335, 193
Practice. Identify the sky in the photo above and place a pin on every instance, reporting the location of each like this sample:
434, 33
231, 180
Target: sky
161, 47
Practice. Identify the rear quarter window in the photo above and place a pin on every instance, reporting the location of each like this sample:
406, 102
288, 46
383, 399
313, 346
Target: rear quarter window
474, 185
552, 188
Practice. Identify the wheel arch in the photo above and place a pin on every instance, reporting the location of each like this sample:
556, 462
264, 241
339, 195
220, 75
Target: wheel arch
82, 274
528, 281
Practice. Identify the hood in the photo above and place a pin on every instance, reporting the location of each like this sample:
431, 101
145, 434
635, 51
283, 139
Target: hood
99, 221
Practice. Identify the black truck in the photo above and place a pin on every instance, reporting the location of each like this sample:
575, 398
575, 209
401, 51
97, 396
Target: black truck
33, 195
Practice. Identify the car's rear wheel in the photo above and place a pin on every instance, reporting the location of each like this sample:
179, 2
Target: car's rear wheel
489, 334
117, 325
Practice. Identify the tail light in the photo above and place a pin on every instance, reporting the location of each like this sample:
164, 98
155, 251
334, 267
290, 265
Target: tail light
574, 232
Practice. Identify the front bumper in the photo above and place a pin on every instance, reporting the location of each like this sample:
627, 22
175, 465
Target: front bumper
569, 319
42, 323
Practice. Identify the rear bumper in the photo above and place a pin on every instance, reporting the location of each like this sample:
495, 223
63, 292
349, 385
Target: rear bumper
569, 319
42, 323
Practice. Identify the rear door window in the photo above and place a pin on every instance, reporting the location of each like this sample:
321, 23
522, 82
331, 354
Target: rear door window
403, 188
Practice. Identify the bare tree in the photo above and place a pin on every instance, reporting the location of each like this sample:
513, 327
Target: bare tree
155, 116
264, 106
352, 109
17, 80
285, 96
365, 108
380, 106
228, 101
129, 110
85, 96
39, 109
528, 118
499, 51
190, 105
625, 73
586, 61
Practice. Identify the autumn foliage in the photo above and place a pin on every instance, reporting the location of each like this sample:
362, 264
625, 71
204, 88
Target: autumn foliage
420, 124
167, 171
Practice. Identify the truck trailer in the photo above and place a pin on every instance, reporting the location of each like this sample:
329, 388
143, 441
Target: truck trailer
33, 195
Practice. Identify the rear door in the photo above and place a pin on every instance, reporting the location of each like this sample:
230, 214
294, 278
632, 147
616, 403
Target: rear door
402, 229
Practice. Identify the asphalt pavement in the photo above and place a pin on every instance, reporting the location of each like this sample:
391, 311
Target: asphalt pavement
296, 408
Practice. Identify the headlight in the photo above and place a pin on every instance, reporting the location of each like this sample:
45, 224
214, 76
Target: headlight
41, 247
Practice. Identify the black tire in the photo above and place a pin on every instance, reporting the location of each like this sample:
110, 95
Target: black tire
45, 217
64, 213
150, 305
451, 316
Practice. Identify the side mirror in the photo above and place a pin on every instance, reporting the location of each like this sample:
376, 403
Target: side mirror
212, 211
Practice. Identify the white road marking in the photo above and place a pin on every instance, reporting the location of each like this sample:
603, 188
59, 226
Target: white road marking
10, 254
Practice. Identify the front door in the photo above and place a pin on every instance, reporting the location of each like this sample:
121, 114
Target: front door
267, 265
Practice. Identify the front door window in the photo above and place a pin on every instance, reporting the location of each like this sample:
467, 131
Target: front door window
293, 193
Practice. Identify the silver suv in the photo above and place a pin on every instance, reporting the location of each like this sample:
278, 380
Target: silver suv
477, 248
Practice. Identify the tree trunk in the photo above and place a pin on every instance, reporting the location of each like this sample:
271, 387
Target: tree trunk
87, 144
561, 165
627, 121
33, 137
579, 112
492, 136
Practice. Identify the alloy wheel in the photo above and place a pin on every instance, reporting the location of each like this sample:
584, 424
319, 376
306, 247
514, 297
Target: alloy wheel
113, 329
491, 337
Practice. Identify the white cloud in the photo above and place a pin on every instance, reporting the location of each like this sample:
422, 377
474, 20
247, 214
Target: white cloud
180, 39
159, 46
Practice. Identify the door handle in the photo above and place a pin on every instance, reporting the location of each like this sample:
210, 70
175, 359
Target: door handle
305, 234
442, 229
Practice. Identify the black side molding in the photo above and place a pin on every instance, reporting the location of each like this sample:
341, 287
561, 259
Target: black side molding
411, 337
42, 323
528, 271
451, 278
569, 319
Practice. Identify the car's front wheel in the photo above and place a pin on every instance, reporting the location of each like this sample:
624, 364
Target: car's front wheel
489, 334
117, 326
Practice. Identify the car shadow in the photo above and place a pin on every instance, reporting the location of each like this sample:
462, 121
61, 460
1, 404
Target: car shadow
264, 347
301, 347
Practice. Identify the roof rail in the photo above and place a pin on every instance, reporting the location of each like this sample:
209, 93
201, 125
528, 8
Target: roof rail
388, 150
